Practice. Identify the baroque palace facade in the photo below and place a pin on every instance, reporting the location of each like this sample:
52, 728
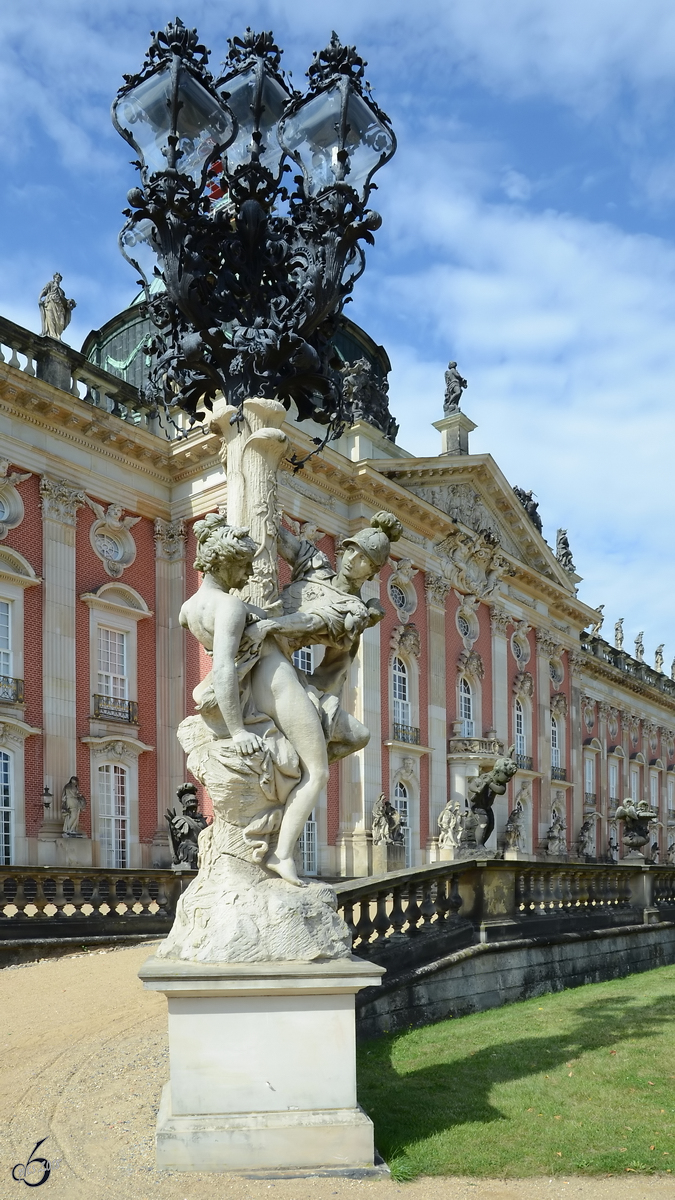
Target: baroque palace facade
482, 647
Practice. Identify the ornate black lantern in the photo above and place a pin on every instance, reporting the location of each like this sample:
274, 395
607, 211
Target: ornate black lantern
249, 274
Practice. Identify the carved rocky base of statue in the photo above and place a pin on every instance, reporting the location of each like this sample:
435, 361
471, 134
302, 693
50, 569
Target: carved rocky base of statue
236, 911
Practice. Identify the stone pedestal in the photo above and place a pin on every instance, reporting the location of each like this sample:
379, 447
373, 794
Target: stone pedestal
262, 1066
64, 852
388, 856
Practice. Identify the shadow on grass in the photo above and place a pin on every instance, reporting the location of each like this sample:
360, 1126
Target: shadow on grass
412, 1106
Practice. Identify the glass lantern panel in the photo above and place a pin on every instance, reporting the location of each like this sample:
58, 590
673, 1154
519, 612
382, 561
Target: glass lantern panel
202, 122
366, 142
137, 246
203, 125
145, 113
312, 136
274, 98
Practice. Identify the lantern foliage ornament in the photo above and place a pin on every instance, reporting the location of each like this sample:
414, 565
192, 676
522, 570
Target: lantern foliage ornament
246, 273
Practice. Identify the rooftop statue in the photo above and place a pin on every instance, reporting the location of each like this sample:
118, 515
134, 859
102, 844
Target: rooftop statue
563, 552
55, 310
530, 505
454, 386
640, 647
618, 633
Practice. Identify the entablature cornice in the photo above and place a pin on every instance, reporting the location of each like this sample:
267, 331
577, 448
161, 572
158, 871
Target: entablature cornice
592, 668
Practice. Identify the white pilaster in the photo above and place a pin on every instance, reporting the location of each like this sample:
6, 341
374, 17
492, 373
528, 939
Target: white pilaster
437, 590
171, 700
60, 502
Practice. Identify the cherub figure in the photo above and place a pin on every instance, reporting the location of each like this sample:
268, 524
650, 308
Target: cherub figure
12, 477
113, 517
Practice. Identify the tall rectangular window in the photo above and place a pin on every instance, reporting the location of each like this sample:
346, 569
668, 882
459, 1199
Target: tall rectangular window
589, 776
308, 845
113, 815
6, 809
521, 741
671, 794
635, 783
654, 789
613, 779
399, 679
303, 660
555, 743
5, 638
112, 663
402, 806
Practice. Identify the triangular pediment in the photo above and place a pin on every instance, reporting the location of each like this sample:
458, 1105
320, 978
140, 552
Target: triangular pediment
472, 491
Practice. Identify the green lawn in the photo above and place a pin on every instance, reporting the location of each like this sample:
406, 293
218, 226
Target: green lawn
582, 1081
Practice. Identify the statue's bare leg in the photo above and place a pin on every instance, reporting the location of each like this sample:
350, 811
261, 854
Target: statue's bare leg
277, 691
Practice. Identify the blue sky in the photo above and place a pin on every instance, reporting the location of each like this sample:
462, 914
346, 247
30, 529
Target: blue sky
529, 231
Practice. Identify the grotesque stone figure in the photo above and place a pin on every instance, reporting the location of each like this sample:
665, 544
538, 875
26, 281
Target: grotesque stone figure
637, 817
530, 505
454, 386
386, 825
185, 827
72, 804
483, 789
55, 309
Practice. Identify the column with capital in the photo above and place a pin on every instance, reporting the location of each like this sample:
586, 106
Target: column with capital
437, 589
170, 538
499, 623
60, 502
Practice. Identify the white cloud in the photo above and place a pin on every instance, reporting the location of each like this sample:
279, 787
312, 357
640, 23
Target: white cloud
564, 329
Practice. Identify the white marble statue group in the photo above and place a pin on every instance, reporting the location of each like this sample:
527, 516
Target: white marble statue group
264, 735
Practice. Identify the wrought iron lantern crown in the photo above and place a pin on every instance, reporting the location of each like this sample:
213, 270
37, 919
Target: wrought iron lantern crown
246, 275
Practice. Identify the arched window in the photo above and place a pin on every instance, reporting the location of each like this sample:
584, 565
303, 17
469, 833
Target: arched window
401, 693
555, 743
521, 740
466, 707
403, 809
113, 792
6, 810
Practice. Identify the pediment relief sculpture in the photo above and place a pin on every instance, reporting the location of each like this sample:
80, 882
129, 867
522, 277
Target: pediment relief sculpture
473, 562
463, 503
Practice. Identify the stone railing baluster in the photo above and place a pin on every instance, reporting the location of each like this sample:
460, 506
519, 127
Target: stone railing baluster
381, 921
364, 925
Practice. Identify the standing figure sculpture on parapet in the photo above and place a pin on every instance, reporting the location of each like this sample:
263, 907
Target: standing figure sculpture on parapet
386, 826
73, 804
454, 386
55, 310
484, 788
185, 827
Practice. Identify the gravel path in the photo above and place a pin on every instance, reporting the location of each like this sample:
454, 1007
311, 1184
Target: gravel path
84, 1057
